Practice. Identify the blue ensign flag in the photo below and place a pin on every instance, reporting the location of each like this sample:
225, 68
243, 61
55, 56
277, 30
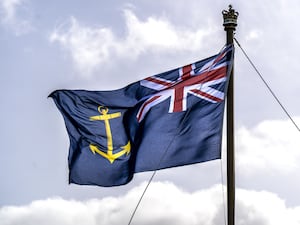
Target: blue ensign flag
170, 119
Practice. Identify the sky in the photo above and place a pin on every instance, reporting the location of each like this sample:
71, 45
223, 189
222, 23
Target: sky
105, 45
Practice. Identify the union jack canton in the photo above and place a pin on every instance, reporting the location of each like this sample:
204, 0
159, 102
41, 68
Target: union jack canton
197, 79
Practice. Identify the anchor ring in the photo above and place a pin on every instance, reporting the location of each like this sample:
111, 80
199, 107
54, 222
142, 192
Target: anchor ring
103, 109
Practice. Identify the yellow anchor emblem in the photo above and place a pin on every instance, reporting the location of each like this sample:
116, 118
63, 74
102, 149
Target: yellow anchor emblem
109, 154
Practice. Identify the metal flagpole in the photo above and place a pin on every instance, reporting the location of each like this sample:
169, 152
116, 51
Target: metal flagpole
230, 23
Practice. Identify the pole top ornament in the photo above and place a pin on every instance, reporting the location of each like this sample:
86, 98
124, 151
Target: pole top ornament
230, 18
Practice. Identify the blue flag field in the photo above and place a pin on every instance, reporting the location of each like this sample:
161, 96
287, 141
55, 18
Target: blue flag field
170, 119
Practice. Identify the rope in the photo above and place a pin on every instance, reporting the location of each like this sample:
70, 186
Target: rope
141, 198
268, 86
159, 163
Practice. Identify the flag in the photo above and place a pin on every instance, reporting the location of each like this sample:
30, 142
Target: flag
170, 119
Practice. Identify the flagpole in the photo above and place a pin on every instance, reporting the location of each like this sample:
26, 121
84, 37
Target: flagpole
230, 23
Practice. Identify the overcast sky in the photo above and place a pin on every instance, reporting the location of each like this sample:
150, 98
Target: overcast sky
103, 45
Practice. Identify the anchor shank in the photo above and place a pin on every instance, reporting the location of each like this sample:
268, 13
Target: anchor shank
109, 137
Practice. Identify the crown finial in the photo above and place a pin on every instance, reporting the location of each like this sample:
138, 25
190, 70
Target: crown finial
230, 18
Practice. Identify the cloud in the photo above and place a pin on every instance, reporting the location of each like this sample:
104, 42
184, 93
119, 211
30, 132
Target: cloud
164, 203
90, 47
9, 7
10, 18
271, 146
264, 208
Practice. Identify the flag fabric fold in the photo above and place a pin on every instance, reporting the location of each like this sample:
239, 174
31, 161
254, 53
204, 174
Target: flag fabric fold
170, 119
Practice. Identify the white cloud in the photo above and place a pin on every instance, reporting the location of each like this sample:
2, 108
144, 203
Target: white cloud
160, 34
164, 203
92, 46
253, 35
88, 46
264, 208
9, 16
271, 146
9, 7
